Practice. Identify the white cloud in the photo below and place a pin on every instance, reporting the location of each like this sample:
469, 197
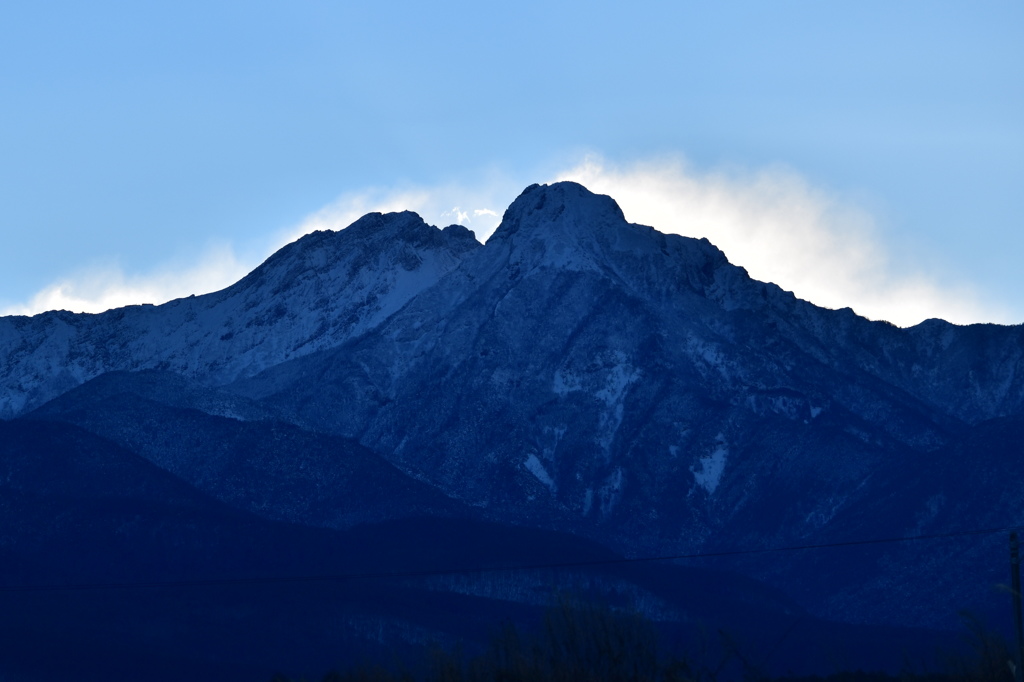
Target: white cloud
782, 229
461, 217
439, 205
100, 288
772, 221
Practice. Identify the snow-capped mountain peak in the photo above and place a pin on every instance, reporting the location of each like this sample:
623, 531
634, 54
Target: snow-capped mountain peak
562, 225
314, 293
577, 371
561, 207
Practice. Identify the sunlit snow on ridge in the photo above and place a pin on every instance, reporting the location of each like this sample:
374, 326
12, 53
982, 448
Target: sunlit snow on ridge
772, 221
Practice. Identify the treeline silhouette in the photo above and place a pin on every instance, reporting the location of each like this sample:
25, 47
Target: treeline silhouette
586, 641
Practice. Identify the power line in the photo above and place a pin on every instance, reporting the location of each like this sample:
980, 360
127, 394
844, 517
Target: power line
341, 577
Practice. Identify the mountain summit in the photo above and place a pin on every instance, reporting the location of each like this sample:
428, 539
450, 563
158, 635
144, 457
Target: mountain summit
559, 211
566, 227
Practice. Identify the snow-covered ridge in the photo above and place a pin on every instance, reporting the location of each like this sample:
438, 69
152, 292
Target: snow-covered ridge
312, 294
330, 287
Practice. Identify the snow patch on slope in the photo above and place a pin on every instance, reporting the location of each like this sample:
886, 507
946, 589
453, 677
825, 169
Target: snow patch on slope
565, 382
611, 491
617, 381
712, 466
607, 380
534, 466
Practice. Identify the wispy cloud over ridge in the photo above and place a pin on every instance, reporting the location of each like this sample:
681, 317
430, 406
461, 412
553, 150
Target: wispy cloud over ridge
784, 230
439, 205
102, 287
460, 216
772, 221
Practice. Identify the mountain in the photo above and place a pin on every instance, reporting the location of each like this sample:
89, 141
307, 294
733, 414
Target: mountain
577, 375
586, 374
315, 293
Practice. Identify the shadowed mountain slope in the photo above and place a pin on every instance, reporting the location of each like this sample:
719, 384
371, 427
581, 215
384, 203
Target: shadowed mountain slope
269, 468
577, 374
131, 574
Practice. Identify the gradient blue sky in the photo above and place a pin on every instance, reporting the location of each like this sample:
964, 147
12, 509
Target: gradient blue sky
138, 140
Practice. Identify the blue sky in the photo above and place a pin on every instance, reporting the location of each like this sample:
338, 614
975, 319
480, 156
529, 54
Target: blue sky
870, 152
